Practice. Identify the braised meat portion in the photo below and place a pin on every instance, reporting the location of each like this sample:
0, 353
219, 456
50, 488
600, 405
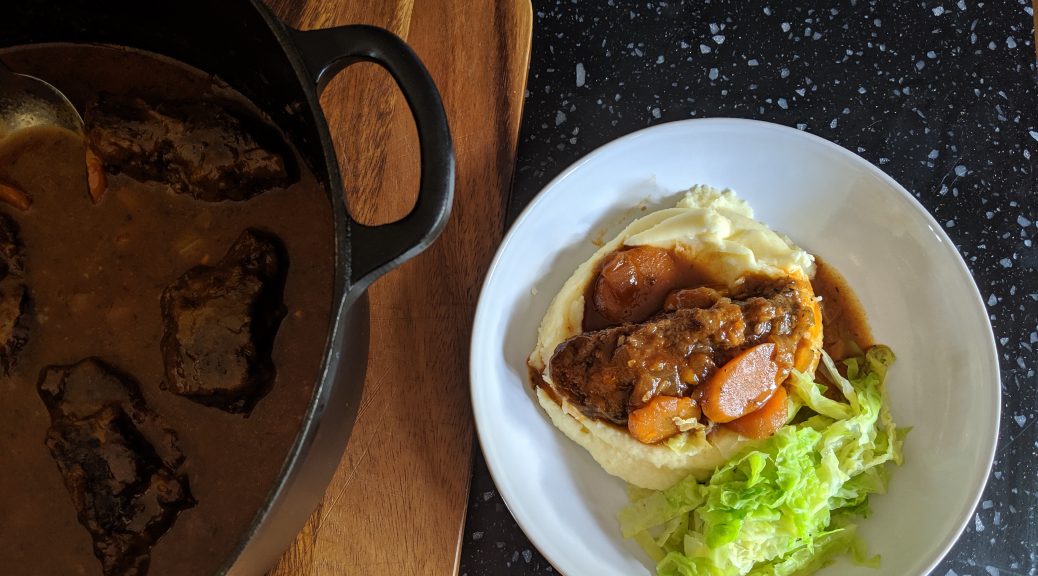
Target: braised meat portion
219, 325
607, 373
120, 464
14, 295
211, 150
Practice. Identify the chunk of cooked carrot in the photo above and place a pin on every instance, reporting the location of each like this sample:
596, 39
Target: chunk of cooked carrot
97, 180
14, 196
633, 283
764, 421
654, 422
742, 385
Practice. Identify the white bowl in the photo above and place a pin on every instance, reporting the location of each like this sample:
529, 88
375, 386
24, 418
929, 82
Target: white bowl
916, 290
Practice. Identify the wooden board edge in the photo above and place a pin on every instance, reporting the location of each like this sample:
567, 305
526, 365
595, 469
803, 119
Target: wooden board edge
524, 14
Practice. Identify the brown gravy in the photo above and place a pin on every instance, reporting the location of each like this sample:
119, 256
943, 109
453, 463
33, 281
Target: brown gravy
96, 273
843, 318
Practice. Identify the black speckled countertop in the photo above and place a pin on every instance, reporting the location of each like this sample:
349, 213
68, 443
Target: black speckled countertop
942, 95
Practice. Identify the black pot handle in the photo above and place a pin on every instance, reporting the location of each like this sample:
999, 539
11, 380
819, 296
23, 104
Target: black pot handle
377, 249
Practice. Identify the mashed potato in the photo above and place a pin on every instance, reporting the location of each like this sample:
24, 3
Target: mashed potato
716, 232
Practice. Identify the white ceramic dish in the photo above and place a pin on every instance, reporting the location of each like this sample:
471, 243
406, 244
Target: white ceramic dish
916, 289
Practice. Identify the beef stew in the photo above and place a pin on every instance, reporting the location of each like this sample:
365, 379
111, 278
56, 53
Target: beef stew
97, 283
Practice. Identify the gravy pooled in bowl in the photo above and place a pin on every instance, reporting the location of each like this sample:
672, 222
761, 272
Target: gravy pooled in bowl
165, 291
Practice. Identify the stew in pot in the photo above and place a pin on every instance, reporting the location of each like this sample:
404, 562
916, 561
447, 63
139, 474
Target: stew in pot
165, 291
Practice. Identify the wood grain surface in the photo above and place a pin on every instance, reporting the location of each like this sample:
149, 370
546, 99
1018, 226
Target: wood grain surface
397, 502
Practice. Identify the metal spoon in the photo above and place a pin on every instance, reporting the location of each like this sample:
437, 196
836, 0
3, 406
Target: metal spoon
26, 101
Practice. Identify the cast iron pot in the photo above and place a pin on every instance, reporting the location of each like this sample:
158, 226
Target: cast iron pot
283, 71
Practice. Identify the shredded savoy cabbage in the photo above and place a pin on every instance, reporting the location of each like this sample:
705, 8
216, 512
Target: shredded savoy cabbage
785, 505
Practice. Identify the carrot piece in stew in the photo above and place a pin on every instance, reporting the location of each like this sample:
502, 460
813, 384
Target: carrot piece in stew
654, 422
765, 421
15, 197
742, 385
633, 283
97, 180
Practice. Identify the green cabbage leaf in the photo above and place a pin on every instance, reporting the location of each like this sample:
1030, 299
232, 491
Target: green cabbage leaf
785, 505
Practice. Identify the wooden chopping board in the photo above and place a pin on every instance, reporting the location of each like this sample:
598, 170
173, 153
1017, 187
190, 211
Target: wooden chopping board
397, 502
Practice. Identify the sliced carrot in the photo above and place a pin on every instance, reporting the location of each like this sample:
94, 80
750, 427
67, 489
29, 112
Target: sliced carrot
633, 283
742, 385
655, 421
97, 180
14, 197
764, 421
